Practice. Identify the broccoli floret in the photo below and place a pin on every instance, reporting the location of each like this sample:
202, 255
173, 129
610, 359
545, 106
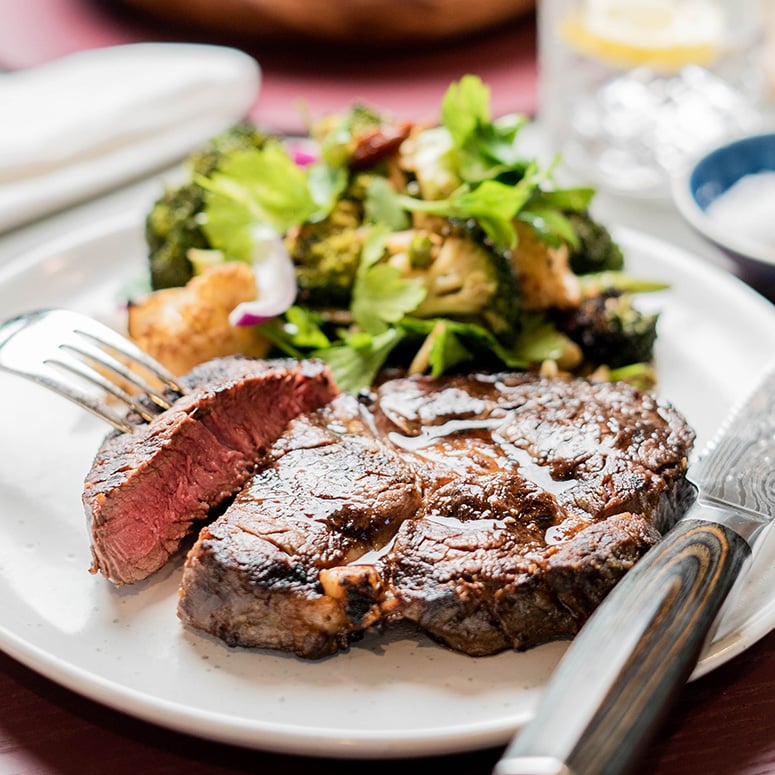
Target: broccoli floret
610, 330
471, 281
172, 226
597, 251
326, 256
240, 137
171, 229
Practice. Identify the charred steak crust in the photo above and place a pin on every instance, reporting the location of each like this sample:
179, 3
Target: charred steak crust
495, 511
146, 488
326, 494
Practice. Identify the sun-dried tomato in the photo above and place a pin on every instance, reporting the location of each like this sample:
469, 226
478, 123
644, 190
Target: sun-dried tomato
379, 144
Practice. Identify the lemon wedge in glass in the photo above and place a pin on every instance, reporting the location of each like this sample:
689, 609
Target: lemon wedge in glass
665, 35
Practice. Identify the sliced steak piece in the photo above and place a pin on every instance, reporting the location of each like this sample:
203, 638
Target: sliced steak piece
499, 510
543, 494
599, 447
326, 494
478, 587
146, 488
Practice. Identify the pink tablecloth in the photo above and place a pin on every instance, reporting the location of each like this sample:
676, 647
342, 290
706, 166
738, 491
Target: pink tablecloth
409, 84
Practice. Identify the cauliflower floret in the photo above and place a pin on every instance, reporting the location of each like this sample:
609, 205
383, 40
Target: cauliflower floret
543, 272
182, 327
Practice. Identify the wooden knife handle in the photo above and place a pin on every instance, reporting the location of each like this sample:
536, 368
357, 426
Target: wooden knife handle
629, 661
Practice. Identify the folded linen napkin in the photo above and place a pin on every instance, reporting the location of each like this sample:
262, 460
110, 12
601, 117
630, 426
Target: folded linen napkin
92, 121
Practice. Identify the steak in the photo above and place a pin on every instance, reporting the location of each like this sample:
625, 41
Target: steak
328, 492
148, 487
495, 511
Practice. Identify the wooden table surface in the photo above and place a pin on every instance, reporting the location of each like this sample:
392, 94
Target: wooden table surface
723, 723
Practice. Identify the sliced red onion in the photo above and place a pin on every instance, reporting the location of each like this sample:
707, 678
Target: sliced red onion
303, 152
275, 280
304, 158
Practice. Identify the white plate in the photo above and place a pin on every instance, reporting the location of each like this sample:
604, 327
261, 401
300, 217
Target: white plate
388, 696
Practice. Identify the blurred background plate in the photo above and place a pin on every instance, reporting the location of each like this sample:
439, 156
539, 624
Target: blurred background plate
349, 22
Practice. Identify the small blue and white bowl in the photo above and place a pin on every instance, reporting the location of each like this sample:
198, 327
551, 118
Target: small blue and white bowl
728, 196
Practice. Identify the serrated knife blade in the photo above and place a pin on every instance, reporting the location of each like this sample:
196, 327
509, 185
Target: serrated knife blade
630, 660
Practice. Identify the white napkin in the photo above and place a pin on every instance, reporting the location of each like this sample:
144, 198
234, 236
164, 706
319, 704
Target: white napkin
91, 121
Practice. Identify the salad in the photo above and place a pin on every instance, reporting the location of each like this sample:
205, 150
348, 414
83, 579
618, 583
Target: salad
375, 243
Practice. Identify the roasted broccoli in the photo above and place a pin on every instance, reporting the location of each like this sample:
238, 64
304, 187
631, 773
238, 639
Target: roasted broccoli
171, 229
326, 256
610, 330
240, 137
597, 251
471, 281
173, 225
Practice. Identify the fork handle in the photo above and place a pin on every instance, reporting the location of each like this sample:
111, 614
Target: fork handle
629, 661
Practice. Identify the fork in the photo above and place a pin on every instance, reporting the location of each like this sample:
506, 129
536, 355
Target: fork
53, 346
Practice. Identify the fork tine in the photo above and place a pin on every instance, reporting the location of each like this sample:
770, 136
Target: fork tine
49, 345
115, 341
77, 367
107, 362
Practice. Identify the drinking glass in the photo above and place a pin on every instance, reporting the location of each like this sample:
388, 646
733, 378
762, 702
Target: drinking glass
630, 90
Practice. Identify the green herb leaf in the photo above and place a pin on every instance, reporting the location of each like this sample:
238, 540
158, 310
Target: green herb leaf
255, 187
228, 226
492, 204
382, 205
326, 186
497, 141
373, 247
356, 362
539, 340
569, 199
303, 325
465, 107
446, 350
297, 331
477, 339
485, 149
204, 258
436, 163
550, 225
380, 294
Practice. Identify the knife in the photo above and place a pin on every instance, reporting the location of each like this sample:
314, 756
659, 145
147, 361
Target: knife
630, 660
